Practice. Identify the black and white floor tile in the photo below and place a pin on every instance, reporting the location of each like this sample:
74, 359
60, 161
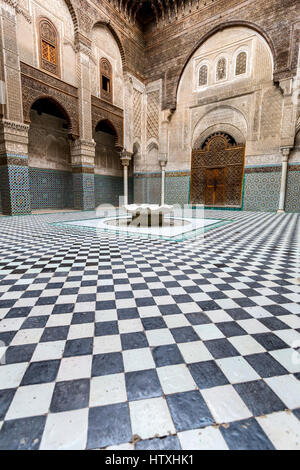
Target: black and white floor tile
134, 343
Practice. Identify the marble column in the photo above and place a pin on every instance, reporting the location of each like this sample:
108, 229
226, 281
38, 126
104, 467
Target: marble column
284, 173
163, 160
125, 160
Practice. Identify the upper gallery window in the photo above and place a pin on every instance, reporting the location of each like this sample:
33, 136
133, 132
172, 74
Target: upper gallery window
221, 69
241, 63
106, 80
203, 75
48, 46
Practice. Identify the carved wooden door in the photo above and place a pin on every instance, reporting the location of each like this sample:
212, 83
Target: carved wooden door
217, 173
215, 186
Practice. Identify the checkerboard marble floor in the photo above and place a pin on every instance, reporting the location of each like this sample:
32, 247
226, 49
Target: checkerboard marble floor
134, 343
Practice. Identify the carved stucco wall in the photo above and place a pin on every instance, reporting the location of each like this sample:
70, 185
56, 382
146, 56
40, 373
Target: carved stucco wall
246, 106
104, 45
27, 35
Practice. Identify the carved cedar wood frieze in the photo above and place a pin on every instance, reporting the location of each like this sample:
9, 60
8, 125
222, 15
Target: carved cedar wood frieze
37, 84
101, 110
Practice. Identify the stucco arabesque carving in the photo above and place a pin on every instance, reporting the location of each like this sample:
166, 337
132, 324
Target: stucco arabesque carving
15, 4
15, 126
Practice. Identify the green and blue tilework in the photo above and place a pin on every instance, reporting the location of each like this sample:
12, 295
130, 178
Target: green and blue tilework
51, 189
15, 194
293, 192
84, 191
109, 189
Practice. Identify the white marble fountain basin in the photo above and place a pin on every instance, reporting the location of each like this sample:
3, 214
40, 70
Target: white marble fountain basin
154, 209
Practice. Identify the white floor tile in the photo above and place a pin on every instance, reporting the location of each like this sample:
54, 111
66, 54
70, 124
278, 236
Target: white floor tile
143, 424
283, 430
289, 358
195, 351
41, 310
293, 308
202, 439
208, 332
176, 321
164, 300
293, 321
138, 359
126, 303
106, 315
176, 379
66, 431
159, 337
72, 368
227, 303
290, 337
11, 324
237, 370
84, 330
225, 404
126, 447
148, 312
83, 306
258, 312
107, 344
189, 307
27, 337
32, 400
261, 300
253, 326
130, 326
246, 345
11, 375
108, 390
218, 316
48, 351
287, 387
59, 320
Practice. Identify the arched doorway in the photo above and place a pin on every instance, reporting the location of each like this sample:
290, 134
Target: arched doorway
50, 171
108, 168
217, 172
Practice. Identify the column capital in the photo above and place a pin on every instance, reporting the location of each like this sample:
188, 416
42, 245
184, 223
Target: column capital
125, 157
163, 159
285, 153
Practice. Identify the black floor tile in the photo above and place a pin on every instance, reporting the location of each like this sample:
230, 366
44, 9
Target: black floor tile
167, 355
70, 395
109, 425
41, 372
246, 435
207, 375
259, 398
189, 411
22, 434
107, 364
142, 384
